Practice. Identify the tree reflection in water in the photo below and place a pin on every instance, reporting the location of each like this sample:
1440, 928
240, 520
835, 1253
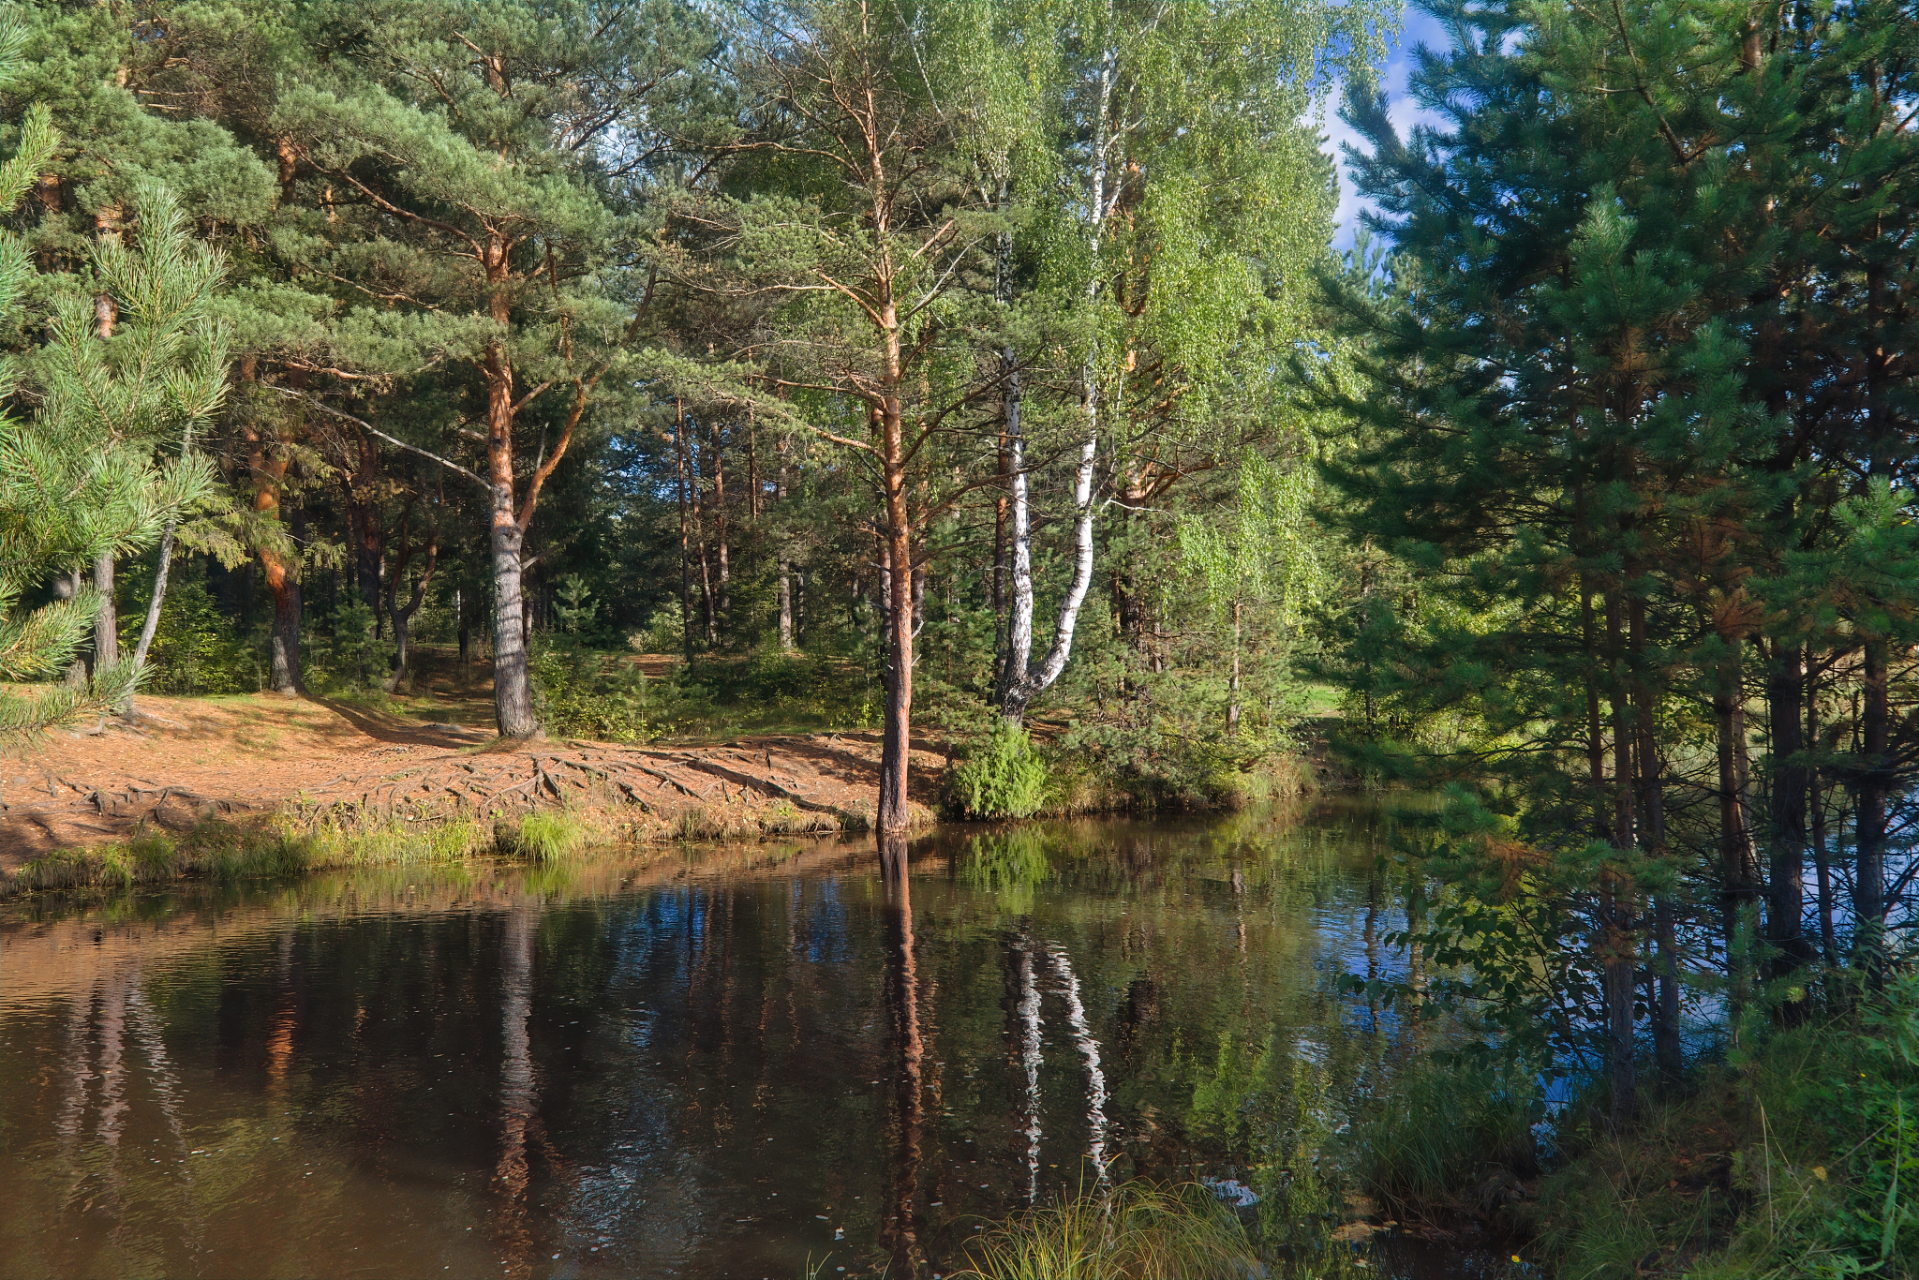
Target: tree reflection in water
517, 1095
900, 1235
682, 1064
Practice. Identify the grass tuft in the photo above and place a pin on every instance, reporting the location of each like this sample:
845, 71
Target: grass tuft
546, 837
1474, 1163
1137, 1232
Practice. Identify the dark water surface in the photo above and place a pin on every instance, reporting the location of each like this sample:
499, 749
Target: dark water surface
715, 1063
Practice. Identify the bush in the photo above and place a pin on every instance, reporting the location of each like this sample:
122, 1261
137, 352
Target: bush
1001, 777
576, 694
665, 630
346, 655
195, 650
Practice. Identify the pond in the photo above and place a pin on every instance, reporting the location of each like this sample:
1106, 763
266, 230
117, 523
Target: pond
696, 1062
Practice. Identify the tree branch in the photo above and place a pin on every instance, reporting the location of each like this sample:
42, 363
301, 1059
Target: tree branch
368, 427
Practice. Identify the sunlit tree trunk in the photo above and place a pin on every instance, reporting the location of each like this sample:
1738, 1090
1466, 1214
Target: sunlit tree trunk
1869, 823
723, 604
1739, 869
512, 685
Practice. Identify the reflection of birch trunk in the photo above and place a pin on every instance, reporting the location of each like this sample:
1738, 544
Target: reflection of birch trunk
901, 1233
113, 1096
516, 1083
165, 1080
79, 1078
113, 1072
165, 1084
1089, 1050
1029, 1054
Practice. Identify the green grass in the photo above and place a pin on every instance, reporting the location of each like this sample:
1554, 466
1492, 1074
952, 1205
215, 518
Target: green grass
1138, 1231
544, 837
222, 850
1449, 1140
1798, 1159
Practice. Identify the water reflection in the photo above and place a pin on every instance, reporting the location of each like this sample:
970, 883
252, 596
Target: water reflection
667, 1064
517, 1096
900, 1236
1027, 1039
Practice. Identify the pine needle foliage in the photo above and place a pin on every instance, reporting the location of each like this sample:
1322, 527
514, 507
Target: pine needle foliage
78, 479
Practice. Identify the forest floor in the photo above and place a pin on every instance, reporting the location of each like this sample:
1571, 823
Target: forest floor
312, 761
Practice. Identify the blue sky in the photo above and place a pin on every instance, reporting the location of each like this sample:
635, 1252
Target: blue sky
1416, 29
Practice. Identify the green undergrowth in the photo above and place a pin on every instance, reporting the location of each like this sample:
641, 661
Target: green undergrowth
1475, 1162
1003, 771
1797, 1158
591, 693
1794, 1156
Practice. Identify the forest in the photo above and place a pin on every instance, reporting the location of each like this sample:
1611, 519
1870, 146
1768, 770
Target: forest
996, 385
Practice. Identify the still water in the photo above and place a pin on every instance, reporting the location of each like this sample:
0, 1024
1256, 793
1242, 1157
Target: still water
721, 1062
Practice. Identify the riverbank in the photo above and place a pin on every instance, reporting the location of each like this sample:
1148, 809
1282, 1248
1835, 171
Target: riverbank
264, 783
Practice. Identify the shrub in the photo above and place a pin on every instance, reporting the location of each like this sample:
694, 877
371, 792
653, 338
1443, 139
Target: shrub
1001, 777
345, 654
578, 695
195, 650
665, 630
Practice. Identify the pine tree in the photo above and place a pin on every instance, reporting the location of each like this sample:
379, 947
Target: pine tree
470, 174
78, 481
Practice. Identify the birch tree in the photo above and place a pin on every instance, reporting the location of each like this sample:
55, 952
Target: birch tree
1185, 206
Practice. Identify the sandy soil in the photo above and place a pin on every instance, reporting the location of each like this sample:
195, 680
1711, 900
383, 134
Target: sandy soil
189, 759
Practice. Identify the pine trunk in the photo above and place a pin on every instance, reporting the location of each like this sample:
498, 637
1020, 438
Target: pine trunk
893, 818
686, 562
1739, 870
1816, 807
1652, 844
1875, 720
724, 604
106, 623
1619, 938
1786, 816
512, 681
284, 642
